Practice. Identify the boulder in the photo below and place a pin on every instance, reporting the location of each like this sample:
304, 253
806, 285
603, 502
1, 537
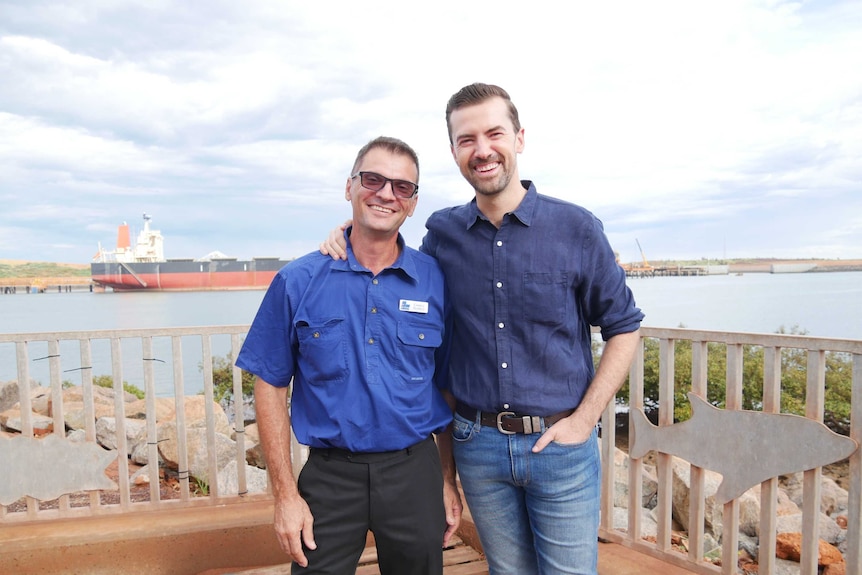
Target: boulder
196, 448
828, 528
833, 499
789, 546
228, 479
11, 420
649, 482
164, 409
106, 432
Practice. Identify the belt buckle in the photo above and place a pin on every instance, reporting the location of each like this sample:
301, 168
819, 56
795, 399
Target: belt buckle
500, 417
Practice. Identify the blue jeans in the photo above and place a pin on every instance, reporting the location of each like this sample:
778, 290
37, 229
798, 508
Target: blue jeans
536, 513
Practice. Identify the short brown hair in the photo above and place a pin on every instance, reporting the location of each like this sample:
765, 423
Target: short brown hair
393, 145
476, 94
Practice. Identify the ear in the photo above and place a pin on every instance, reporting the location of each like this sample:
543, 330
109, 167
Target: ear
519, 141
347, 189
413, 201
452, 151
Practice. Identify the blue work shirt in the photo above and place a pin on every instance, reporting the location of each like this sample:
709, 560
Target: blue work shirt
523, 299
360, 349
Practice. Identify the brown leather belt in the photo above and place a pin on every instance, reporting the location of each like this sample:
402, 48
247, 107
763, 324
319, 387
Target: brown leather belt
509, 422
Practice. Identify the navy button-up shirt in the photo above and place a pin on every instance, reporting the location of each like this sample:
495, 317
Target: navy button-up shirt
361, 350
523, 298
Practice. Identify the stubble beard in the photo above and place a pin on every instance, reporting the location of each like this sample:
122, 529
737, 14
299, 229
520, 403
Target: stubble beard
489, 188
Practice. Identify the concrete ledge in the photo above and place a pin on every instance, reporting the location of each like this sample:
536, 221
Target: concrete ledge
164, 542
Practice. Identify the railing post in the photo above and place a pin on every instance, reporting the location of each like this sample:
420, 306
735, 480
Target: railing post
665, 462
814, 400
854, 498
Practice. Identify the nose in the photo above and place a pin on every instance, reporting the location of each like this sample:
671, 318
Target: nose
386, 192
483, 147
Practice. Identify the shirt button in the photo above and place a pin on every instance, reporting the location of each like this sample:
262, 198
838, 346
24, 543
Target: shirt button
501, 325
374, 310
499, 284
421, 336
371, 340
499, 243
505, 406
316, 334
374, 281
504, 365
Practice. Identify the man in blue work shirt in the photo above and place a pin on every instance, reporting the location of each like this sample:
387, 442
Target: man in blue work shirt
528, 275
365, 343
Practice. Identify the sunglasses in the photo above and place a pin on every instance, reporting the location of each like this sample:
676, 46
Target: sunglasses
375, 182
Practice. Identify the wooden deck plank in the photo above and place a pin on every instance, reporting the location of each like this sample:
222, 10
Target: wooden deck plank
458, 559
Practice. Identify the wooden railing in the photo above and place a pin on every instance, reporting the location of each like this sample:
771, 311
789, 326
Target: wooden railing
734, 344
72, 353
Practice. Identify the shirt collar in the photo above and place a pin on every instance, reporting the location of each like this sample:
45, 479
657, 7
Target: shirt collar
524, 211
405, 261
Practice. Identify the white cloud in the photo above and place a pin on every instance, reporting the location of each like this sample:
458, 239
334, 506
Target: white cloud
685, 124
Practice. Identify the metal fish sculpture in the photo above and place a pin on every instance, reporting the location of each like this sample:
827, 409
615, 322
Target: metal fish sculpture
745, 447
50, 467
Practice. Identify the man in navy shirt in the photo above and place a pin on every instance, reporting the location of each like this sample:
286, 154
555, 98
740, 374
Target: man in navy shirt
528, 275
364, 342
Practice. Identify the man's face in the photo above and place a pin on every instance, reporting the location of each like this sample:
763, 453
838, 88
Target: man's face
381, 212
485, 145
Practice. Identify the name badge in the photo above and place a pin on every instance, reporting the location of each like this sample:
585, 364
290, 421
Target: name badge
413, 306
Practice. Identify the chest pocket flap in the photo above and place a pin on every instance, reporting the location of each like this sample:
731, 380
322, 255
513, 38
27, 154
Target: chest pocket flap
423, 335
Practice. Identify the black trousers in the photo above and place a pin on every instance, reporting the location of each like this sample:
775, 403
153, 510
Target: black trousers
398, 496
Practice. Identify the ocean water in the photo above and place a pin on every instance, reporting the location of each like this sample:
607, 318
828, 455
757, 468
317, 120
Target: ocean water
821, 304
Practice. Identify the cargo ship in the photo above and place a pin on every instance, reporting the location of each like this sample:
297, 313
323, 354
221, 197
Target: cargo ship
143, 266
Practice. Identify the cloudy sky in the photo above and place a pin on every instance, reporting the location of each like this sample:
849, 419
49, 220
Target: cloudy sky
704, 129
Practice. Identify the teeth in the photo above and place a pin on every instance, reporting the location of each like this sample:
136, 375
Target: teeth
382, 209
487, 167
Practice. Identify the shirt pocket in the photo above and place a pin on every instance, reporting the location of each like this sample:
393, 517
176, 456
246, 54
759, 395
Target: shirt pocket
322, 350
417, 344
545, 296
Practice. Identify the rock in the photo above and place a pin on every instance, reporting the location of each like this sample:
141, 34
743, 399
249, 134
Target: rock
833, 499
748, 544
254, 456
11, 420
76, 436
649, 528
681, 471
195, 415
40, 400
142, 476
789, 546
101, 395
828, 529
8, 394
106, 432
196, 446
164, 409
228, 481
252, 435
649, 482
74, 414
835, 569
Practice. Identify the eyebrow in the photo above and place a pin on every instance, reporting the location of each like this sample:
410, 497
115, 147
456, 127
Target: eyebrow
498, 127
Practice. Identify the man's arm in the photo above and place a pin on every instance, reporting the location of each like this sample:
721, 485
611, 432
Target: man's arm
613, 368
293, 518
451, 496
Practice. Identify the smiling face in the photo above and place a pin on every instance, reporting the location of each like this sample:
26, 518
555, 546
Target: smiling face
381, 213
485, 145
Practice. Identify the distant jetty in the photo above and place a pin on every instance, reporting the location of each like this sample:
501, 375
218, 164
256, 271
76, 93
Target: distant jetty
739, 267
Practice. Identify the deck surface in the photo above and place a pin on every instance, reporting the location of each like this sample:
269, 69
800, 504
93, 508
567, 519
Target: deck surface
461, 559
